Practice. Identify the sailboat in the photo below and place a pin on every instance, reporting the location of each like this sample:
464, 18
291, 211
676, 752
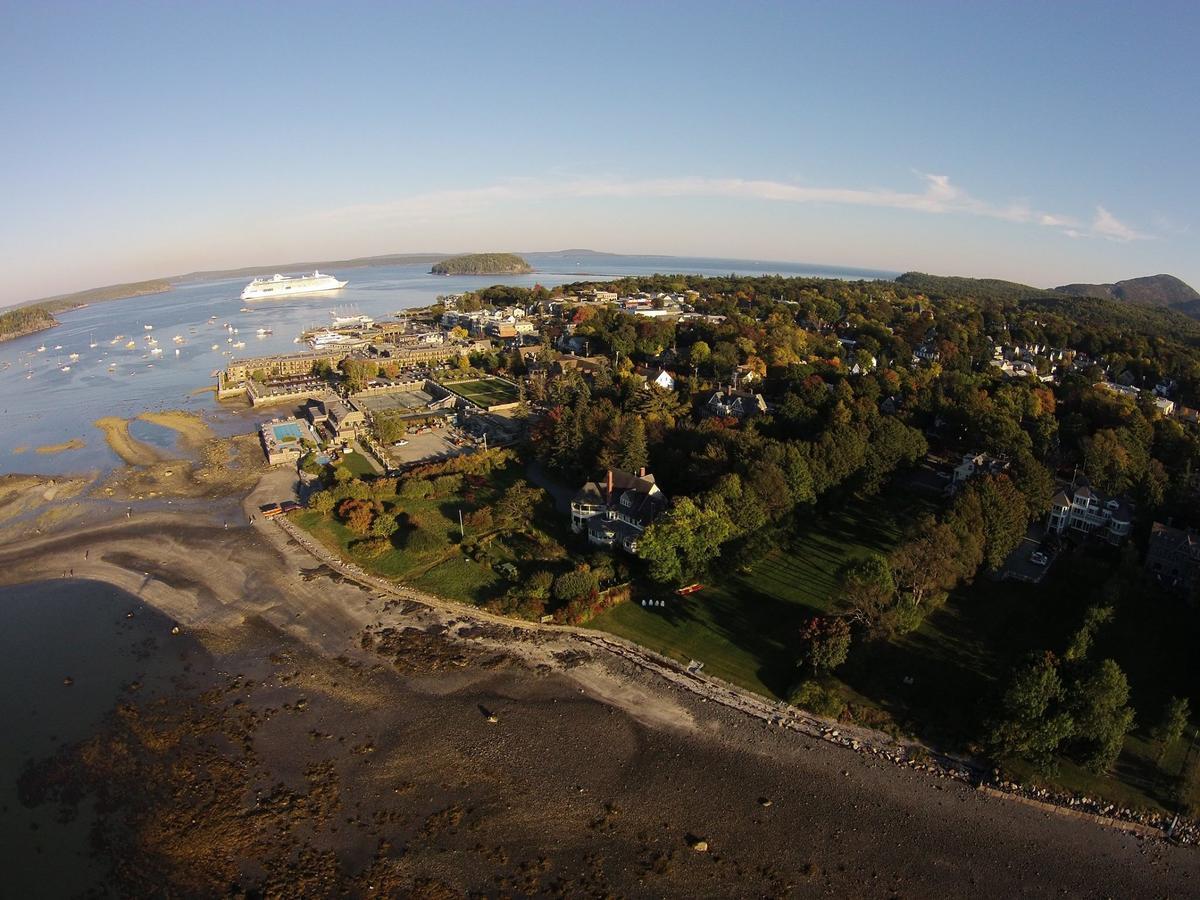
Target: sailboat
93, 343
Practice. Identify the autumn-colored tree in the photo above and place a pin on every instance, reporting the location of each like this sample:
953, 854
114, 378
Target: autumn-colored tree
825, 643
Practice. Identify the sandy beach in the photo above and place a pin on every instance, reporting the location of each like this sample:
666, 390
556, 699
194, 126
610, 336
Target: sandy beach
346, 741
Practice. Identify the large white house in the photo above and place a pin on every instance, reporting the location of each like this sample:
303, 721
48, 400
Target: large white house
1086, 511
618, 509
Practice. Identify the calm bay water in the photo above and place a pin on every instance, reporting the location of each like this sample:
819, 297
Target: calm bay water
43, 405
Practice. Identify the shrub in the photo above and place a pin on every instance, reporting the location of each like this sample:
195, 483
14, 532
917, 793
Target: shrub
425, 540
539, 584
816, 698
415, 489
573, 585
445, 485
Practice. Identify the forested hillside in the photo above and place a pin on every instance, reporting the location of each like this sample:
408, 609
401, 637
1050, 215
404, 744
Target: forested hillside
25, 320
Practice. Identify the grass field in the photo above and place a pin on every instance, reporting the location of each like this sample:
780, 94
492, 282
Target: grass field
743, 627
357, 464
484, 392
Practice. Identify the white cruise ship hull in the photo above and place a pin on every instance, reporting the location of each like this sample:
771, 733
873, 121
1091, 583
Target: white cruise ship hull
271, 289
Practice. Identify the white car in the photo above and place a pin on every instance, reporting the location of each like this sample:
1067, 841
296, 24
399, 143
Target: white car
1038, 558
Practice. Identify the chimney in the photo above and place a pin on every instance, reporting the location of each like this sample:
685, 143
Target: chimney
729, 390
642, 472
610, 486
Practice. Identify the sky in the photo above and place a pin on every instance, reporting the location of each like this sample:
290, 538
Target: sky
1041, 142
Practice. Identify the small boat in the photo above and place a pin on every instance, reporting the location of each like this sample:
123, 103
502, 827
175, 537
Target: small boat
58, 346
65, 369
42, 349
157, 351
239, 345
148, 327
152, 342
178, 339
131, 345
263, 332
176, 351
244, 309
216, 346
73, 357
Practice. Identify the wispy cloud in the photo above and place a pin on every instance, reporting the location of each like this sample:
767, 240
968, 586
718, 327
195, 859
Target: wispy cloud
1109, 226
939, 196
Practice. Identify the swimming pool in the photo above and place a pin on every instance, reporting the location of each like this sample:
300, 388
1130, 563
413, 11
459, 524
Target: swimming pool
289, 431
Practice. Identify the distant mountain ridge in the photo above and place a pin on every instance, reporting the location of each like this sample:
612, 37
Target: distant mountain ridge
1150, 290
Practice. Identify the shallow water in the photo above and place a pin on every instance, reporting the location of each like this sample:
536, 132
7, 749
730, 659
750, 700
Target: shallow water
50, 631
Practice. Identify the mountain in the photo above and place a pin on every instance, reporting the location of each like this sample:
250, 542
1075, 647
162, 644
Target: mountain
943, 287
1152, 290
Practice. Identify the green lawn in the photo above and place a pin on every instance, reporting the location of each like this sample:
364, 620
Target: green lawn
484, 391
742, 627
357, 464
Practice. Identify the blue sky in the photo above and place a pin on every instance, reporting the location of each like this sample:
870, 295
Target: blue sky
1042, 142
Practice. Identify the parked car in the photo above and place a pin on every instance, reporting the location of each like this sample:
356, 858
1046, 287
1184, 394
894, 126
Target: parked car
1038, 558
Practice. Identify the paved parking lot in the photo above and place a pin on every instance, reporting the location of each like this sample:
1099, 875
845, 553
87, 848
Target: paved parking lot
425, 447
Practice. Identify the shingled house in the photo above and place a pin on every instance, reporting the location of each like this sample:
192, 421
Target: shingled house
617, 509
1173, 556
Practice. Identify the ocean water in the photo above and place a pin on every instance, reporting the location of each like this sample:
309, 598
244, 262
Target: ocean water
80, 630
43, 405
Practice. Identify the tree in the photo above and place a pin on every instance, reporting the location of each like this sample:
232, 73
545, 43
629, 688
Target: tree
1102, 715
384, 526
516, 506
699, 354
684, 540
1173, 723
321, 502
1081, 641
1032, 723
357, 514
358, 372
868, 590
634, 455
825, 643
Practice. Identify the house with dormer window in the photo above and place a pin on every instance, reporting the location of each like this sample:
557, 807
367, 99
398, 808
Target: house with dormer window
618, 509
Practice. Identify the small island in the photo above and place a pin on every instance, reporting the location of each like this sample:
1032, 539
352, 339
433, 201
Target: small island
25, 320
482, 264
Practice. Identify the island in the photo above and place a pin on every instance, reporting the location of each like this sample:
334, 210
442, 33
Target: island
482, 264
25, 320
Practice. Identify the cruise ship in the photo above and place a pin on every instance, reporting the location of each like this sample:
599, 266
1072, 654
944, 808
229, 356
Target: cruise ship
282, 285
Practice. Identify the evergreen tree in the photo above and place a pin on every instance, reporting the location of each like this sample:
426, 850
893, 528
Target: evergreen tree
634, 454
